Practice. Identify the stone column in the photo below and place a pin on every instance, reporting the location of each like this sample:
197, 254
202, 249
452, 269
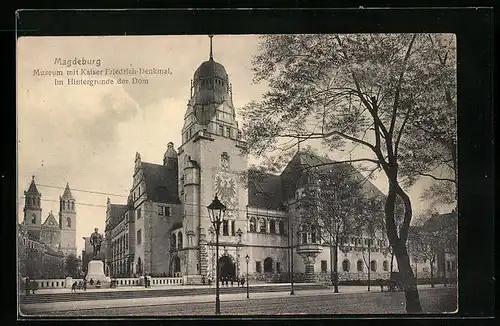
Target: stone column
202, 253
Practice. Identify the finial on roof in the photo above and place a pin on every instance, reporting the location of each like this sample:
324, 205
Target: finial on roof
108, 201
211, 54
33, 178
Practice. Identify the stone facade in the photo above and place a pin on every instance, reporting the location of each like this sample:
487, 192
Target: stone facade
172, 229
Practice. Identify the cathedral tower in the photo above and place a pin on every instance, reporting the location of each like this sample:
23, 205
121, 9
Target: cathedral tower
67, 222
210, 163
33, 210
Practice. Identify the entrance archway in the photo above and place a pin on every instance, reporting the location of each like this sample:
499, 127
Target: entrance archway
227, 267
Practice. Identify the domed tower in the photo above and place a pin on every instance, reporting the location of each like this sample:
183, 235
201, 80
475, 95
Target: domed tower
67, 222
33, 210
210, 163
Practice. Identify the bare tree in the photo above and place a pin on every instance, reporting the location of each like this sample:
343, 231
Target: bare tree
332, 205
362, 90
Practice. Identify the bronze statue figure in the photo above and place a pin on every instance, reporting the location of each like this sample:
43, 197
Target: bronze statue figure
95, 241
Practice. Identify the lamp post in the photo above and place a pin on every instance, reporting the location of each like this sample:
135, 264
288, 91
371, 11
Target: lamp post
239, 233
247, 258
211, 230
216, 212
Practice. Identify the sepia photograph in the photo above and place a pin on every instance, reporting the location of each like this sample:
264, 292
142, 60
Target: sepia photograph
237, 175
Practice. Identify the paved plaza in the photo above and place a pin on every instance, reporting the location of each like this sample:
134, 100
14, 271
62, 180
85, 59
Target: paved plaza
350, 300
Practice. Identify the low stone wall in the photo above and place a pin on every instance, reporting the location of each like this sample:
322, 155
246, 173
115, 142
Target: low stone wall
55, 283
167, 281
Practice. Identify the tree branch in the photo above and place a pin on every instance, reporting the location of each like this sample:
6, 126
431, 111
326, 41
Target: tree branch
398, 87
435, 178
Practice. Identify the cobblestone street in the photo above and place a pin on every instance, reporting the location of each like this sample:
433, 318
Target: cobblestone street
436, 300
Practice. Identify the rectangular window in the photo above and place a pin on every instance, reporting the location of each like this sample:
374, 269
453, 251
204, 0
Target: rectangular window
233, 228
139, 236
278, 267
221, 130
139, 215
323, 266
167, 211
225, 228
228, 132
160, 210
258, 267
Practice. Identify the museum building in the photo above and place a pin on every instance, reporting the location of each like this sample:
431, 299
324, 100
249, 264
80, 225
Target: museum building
164, 228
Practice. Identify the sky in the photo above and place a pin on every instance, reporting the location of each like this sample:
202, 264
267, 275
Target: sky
87, 136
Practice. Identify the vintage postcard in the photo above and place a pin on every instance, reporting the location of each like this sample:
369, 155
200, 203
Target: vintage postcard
247, 175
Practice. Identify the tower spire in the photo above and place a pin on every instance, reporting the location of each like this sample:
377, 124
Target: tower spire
211, 54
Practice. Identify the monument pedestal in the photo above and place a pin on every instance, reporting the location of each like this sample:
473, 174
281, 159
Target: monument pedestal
95, 271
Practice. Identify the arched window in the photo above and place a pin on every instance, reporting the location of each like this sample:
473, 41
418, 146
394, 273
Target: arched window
282, 227
38, 201
272, 226
173, 241
360, 265
268, 265
33, 219
177, 264
139, 266
345, 265
179, 240
263, 226
252, 224
73, 205
68, 221
304, 237
385, 265
373, 266
313, 235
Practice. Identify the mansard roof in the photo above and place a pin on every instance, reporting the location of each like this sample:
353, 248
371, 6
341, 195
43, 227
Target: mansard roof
161, 183
270, 191
264, 190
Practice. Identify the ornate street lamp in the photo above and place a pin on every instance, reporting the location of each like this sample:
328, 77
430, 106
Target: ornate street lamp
216, 212
247, 258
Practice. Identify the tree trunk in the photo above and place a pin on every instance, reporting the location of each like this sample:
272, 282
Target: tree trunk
392, 262
432, 274
335, 268
406, 274
369, 264
399, 249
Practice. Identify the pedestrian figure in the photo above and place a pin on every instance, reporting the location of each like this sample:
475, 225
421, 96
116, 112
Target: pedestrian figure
91, 282
34, 286
203, 280
232, 280
73, 286
85, 285
242, 281
27, 285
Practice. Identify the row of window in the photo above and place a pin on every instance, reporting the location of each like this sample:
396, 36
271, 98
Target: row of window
176, 241
273, 228
31, 201
268, 266
346, 266
67, 205
120, 244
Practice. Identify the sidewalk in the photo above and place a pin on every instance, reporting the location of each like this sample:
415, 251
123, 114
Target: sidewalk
163, 287
118, 303
34, 308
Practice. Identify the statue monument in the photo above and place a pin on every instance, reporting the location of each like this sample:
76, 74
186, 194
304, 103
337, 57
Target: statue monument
95, 241
95, 270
